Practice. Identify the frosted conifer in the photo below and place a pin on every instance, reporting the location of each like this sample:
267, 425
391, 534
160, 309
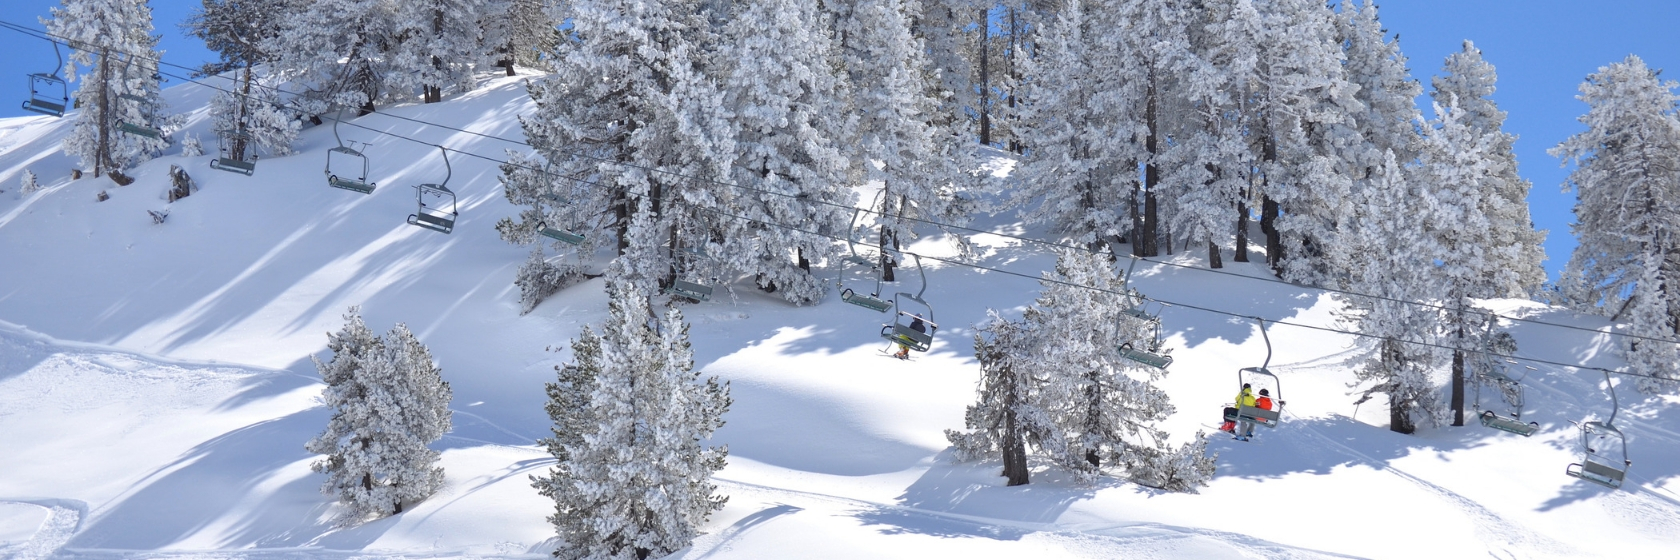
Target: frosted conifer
1513, 249
343, 49
784, 100
1627, 218
27, 182
389, 402
633, 477
1058, 376
113, 38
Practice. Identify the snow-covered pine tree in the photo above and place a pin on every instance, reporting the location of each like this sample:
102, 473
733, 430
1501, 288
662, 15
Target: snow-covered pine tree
1059, 382
388, 402
1006, 415
1398, 368
27, 184
1070, 180
633, 478
1455, 166
439, 42
787, 114
249, 112
1304, 109
901, 142
1104, 405
515, 32
633, 108
1627, 216
1387, 118
341, 50
1514, 250
190, 146
113, 38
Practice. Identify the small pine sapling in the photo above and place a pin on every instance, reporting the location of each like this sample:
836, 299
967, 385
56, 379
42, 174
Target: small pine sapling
537, 279
190, 146
29, 183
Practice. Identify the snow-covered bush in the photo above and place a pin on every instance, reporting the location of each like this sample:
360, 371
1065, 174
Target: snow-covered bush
388, 401
28, 183
190, 145
538, 279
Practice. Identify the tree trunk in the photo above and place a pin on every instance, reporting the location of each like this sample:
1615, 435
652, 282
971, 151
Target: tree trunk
102, 153
1241, 254
1399, 418
1013, 446
1149, 236
1213, 256
1093, 412
1274, 239
1457, 398
237, 146
985, 77
1015, 78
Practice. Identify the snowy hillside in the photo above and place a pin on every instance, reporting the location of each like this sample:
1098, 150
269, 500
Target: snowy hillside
156, 389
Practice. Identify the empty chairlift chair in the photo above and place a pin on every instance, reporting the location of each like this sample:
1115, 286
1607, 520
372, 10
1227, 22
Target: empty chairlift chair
440, 214
48, 94
234, 149
871, 301
347, 168
1153, 353
1512, 392
1604, 458
558, 234
690, 289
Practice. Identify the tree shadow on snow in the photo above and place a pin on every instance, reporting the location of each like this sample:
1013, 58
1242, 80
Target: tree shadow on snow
221, 485
941, 501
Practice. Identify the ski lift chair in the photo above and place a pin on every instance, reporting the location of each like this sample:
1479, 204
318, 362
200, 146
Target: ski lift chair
1151, 354
228, 142
900, 330
437, 216
871, 301
1261, 378
1509, 423
346, 176
690, 289
560, 235
43, 87
1604, 458
139, 130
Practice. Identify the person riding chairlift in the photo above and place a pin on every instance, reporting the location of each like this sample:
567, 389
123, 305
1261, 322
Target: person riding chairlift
915, 325
1245, 397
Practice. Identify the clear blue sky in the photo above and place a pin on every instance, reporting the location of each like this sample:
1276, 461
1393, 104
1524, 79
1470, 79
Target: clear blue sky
1542, 48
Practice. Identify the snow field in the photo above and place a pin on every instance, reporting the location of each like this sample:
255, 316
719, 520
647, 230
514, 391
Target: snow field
159, 377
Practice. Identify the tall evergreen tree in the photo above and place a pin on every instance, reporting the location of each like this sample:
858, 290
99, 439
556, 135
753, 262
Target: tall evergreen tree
438, 45
342, 50
902, 142
633, 108
1398, 367
1059, 377
252, 112
119, 94
1627, 217
388, 403
783, 98
633, 478
1514, 250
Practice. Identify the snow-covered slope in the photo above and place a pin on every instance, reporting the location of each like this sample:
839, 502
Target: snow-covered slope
156, 390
